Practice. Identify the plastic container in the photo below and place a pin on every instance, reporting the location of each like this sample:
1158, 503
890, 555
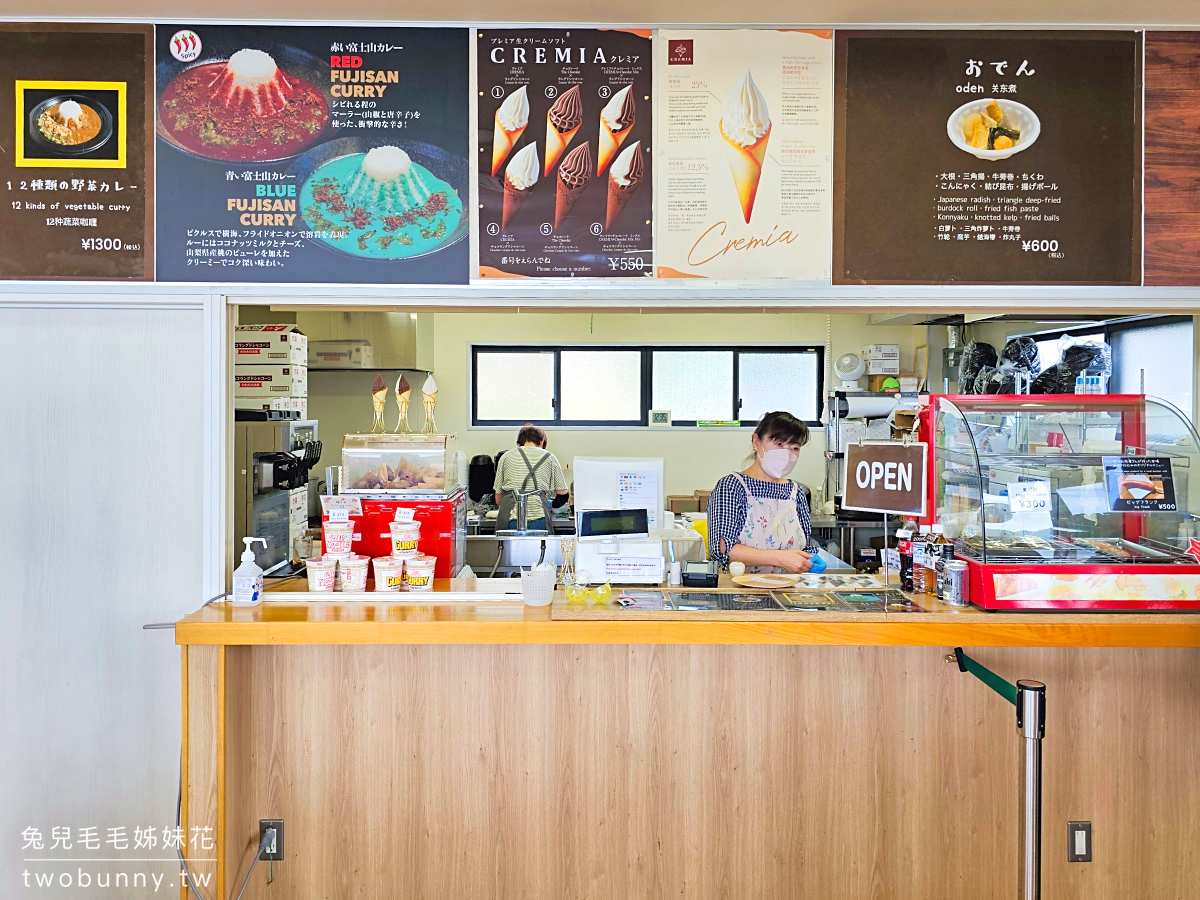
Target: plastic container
322, 573
418, 572
248, 577
537, 585
405, 537
352, 573
339, 538
389, 573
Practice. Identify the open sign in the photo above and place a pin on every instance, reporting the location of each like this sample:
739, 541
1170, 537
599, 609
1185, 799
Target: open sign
886, 477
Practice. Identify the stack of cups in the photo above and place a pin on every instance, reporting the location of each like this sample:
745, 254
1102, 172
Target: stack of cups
337, 569
392, 572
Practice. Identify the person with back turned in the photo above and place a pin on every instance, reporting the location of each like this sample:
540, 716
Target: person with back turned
534, 470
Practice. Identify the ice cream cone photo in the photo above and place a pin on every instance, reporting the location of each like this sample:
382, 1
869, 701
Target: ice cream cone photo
745, 129
519, 178
624, 177
512, 118
562, 123
616, 121
573, 176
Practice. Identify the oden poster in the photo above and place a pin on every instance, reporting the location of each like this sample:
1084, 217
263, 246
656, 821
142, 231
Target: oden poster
745, 146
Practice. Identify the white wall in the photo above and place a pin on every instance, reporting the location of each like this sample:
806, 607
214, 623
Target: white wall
102, 413
695, 458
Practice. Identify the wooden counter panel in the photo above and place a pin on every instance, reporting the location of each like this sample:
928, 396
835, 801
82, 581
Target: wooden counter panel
706, 771
503, 622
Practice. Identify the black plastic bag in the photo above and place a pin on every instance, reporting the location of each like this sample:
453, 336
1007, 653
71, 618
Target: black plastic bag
1023, 353
975, 356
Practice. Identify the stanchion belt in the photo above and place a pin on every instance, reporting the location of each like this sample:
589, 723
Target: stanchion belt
1005, 689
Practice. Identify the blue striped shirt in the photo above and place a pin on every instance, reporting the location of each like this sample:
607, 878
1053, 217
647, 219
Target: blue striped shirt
727, 513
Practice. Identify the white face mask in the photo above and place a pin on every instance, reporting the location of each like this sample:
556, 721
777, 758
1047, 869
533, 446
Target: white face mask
778, 463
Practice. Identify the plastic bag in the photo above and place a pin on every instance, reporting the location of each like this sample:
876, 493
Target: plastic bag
975, 355
1048, 382
982, 379
1079, 356
1023, 352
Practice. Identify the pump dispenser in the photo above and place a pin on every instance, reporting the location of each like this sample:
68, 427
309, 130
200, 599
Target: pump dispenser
248, 577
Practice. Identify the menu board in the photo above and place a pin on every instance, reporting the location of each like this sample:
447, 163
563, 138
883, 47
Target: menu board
988, 157
745, 148
313, 154
76, 159
565, 126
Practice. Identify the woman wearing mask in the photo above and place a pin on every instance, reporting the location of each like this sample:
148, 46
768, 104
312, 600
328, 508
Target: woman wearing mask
759, 516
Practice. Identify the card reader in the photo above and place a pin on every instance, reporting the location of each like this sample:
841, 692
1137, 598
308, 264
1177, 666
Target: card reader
699, 573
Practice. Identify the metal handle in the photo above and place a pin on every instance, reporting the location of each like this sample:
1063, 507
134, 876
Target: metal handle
1031, 721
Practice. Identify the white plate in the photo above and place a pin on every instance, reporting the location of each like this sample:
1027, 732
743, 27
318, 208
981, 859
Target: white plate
1021, 116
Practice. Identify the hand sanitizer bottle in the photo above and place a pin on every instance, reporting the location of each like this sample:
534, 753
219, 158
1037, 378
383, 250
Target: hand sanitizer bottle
248, 577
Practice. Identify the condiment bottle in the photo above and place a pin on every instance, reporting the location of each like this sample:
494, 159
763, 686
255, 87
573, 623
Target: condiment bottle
920, 544
904, 546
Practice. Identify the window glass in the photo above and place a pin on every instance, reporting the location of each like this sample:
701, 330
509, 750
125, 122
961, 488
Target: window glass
774, 381
694, 385
514, 386
601, 385
1162, 354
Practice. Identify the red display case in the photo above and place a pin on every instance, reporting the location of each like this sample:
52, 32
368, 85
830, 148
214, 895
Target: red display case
1066, 502
443, 523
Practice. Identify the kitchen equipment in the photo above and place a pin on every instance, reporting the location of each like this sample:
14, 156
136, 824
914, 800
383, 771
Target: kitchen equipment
266, 509
1030, 490
400, 465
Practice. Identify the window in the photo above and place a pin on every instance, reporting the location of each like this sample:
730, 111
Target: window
618, 386
1153, 351
1159, 354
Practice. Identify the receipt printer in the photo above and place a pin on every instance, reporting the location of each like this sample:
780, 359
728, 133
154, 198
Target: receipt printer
699, 573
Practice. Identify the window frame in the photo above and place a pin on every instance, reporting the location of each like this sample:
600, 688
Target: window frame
647, 352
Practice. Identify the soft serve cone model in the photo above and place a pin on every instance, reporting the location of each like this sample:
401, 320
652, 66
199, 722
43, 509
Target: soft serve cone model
616, 121
745, 127
519, 179
403, 395
562, 122
379, 394
511, 120
623, 179
429, 398
573, 176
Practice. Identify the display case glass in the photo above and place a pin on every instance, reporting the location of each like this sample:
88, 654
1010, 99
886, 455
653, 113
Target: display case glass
401, 464
1073, 487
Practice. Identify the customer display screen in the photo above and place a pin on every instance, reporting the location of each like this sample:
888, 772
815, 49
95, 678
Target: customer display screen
613, 522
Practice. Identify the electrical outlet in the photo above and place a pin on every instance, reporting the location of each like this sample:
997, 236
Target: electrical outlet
1079, 842
271, 851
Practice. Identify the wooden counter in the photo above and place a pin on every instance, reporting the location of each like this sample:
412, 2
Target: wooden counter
489, 750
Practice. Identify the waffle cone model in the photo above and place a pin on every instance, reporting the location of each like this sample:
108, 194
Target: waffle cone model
745, 164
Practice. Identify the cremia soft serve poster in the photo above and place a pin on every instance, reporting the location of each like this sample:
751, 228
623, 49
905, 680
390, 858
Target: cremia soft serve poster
744, 138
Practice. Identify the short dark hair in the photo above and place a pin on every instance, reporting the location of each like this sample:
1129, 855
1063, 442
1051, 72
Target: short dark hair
783, 427
531, 434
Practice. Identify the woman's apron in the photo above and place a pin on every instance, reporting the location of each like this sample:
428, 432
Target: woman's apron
771, 524
537, 505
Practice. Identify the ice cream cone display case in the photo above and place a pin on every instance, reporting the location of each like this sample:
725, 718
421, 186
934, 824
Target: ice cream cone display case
400, 465
1067, 502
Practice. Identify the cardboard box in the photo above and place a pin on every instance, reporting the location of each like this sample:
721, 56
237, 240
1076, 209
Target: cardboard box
681, 503
883, 367
254, 382
277, 344
702, 499
881, 351
875, 383
286, 404
341, 355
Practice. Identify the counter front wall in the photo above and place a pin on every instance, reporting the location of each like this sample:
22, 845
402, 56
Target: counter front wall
692, 771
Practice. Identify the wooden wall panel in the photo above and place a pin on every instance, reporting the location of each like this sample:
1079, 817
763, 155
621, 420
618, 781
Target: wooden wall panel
1172, 180
740, 772
202, 759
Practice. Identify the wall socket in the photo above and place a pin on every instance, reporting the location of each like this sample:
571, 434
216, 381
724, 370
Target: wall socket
1079, 842
271, 851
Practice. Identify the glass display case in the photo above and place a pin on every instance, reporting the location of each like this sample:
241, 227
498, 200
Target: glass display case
401, 465
1067, 501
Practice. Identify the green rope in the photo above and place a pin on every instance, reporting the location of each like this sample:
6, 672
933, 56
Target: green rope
1005, 689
